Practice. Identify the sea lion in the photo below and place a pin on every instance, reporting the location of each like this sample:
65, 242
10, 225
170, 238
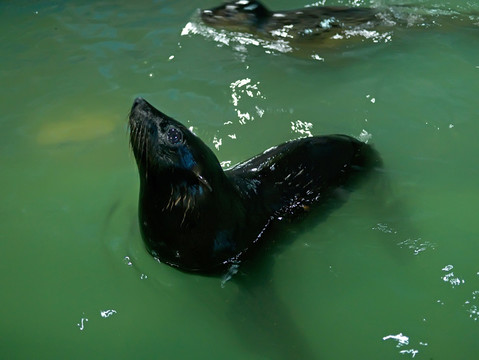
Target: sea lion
197, 217
324, 25
307, 23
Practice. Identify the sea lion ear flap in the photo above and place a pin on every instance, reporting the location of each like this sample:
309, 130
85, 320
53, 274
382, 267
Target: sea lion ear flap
201, 179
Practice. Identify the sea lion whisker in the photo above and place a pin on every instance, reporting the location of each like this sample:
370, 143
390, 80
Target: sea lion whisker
170, 199
167, 204
180, 198
186, 208
144, 143
184, 217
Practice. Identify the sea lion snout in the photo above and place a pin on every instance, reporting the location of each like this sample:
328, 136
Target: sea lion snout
142, 113
139, 100
136, 109
139, 105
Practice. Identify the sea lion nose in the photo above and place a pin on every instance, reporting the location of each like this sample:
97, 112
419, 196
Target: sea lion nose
138, 101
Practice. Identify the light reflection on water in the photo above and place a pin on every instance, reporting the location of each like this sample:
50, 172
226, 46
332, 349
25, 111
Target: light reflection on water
238, 41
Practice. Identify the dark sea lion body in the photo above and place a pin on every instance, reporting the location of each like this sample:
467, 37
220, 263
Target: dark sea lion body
324, 25
300, 24
198, 218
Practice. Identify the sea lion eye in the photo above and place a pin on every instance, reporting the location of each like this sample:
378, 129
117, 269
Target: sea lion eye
174, 136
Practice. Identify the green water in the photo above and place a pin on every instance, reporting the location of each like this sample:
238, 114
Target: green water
360, 283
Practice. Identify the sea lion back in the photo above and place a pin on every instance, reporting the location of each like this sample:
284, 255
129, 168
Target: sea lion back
299, 173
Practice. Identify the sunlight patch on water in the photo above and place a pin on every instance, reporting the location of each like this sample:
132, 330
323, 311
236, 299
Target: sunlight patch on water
372, 99
402, 341
81, 324
225, 164
364, 136
217, 142
107, 313
237, 40
474, 312
245, 87
302, 128
473, 309
372, 35
417, 245
127, 261
245, 97
317, 57
84, 128
385, 228
450, 277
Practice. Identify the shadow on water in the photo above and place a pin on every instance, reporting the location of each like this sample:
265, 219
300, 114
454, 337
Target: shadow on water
264, 323
249, 302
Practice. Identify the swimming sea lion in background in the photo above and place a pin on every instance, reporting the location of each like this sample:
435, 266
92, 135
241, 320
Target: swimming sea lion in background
199, 218
311, 22
325, 25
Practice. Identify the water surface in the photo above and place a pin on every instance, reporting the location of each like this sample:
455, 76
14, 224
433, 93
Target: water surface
391, 274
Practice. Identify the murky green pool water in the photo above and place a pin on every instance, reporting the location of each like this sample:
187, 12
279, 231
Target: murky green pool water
360, 283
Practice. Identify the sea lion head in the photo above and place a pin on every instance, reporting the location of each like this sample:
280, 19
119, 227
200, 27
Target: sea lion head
165, 148
242, 15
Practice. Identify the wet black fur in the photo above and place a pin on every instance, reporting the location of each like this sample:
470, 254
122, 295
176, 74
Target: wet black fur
199, 218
